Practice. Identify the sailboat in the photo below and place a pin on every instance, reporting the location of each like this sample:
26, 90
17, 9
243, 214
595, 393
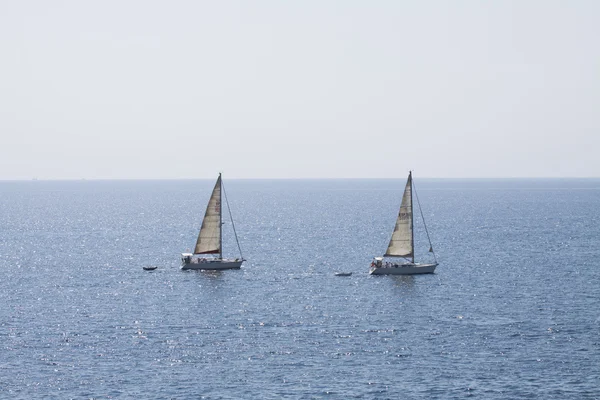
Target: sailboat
402, 242
210, 238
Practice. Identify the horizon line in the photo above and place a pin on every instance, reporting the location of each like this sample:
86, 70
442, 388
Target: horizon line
295, 178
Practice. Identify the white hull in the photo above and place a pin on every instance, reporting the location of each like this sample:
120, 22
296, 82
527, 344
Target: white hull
213, 265
404, 269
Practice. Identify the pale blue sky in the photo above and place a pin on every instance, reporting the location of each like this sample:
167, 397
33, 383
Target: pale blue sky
299, 89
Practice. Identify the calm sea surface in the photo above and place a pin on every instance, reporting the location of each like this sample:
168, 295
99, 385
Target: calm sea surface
513, 310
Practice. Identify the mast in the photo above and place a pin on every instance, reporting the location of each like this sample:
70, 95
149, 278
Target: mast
221, 218
412, 233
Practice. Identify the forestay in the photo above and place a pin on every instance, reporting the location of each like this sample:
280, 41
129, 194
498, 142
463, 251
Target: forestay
209, 238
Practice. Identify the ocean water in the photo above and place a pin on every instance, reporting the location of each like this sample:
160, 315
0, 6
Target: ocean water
512, 312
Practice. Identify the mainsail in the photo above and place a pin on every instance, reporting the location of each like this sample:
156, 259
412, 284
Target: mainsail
401, 244
209, 238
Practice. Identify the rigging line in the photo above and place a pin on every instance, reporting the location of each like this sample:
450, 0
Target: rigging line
424, 224
232, 224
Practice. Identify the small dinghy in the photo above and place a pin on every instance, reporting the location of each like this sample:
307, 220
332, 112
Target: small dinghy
149, 268
343, 274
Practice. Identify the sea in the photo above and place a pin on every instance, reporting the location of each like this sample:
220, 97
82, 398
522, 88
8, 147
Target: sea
512, 311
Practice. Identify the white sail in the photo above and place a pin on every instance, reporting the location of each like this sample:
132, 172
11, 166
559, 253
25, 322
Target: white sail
209, 238
401, 244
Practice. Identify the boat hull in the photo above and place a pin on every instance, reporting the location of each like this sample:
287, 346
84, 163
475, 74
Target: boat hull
213, 265
404, 269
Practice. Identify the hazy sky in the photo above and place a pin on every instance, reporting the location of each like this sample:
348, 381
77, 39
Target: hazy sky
299, 89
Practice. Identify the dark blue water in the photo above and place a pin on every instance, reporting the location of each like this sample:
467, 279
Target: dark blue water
512, 311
